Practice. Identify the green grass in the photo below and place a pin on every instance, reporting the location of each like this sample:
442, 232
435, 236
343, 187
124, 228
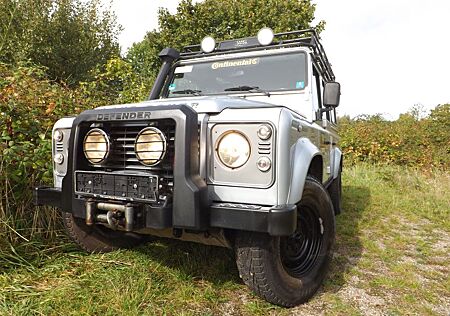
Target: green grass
391, 257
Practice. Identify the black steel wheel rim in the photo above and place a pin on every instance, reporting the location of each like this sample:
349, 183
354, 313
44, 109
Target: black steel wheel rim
300, 251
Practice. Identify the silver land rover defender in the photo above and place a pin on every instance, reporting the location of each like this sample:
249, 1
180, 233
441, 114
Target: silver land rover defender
237, 146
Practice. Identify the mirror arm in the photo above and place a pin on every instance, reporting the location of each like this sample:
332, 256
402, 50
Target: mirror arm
321, 111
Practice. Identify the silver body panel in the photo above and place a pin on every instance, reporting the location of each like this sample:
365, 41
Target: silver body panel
64, 125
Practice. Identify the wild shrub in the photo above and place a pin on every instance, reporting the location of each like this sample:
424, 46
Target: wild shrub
69, 37
418, 142
29, 106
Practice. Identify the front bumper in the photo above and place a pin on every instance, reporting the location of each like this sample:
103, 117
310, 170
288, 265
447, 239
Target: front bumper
277, 221
47, 196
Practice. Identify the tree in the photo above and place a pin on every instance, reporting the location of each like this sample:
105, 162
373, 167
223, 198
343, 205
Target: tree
221, 19
69, 37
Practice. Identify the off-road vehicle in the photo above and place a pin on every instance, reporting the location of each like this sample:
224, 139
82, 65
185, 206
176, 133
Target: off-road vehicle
237, 147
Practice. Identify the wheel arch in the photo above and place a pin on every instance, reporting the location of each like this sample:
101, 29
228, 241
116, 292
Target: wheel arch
338, 161
306, 159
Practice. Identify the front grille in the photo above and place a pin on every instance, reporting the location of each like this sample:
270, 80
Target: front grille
123, 137
122, 157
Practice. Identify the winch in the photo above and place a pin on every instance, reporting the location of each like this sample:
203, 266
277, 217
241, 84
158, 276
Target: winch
116, 214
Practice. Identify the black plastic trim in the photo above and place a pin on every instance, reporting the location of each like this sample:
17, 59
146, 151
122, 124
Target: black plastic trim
277, 221
168, 56
158, 217
47, 196
190, 192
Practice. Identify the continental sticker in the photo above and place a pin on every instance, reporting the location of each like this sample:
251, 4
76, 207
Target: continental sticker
235, 63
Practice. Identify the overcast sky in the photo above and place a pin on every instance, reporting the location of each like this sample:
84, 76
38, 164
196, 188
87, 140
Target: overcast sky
387, 54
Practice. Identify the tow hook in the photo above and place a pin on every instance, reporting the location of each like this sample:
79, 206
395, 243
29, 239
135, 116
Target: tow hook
116, 213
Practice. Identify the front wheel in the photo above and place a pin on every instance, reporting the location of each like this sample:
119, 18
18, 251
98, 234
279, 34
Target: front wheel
288, 271
98, 238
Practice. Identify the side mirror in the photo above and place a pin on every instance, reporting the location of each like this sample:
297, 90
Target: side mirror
331, 94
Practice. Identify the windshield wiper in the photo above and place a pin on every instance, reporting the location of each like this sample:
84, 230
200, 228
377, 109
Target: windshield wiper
249, 89
188, 91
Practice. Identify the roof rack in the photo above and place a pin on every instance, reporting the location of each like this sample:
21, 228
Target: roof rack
307, 38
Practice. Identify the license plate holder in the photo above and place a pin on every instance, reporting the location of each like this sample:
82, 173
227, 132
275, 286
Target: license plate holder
123, 187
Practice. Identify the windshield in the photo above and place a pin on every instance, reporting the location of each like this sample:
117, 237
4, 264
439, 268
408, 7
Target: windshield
252, 74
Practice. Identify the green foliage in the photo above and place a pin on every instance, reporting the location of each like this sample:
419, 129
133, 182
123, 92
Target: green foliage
29, 106
231, 19
117, 83
221, 19
69, 37
422, 142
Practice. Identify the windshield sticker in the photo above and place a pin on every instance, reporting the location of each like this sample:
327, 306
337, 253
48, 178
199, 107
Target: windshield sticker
172, 86
300, 84
183, 69
235, 63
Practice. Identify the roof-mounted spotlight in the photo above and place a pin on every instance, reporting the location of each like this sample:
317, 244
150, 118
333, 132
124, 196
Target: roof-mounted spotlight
265, 36
208, 44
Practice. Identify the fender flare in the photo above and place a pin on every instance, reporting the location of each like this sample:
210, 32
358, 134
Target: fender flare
337, 154
302, 153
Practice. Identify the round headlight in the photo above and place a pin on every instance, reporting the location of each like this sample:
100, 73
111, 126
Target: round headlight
96, 146
150, 146
233, 149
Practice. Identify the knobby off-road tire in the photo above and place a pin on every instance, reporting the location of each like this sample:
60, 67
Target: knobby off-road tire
335, 191
287, 271
97, 238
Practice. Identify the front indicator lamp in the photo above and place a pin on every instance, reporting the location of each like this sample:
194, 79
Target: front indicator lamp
233, 149
58, 159
264, 164
96, 146
264, 132
58, 136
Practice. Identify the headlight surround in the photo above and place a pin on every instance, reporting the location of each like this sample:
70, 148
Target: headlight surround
96, 146
150, 146
233, 149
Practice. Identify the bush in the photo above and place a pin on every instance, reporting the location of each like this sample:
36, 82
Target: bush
69, 37
410, 140
117, 83
29, 106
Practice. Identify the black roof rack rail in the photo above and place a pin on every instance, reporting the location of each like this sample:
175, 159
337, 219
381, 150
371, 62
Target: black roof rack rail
307, 38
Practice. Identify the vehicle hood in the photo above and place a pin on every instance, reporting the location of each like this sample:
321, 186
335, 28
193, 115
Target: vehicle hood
204, 104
